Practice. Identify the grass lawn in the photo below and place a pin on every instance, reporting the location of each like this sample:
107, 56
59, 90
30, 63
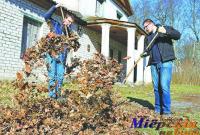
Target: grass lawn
7, 91
146, 92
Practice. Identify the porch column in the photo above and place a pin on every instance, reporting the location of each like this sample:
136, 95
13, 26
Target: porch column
130, 52
105, 39
140, 65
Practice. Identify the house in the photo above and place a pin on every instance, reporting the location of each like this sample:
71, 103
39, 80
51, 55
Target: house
108, 32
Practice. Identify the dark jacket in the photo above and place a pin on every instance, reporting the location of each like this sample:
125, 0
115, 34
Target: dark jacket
165, 44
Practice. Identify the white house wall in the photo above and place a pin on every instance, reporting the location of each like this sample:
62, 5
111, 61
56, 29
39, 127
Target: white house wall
110, 9
91, 38
87, 7
69, 4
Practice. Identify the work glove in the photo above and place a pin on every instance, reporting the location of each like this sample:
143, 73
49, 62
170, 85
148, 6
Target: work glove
59, 5
127, 57
51, 35
161, 29
144, 54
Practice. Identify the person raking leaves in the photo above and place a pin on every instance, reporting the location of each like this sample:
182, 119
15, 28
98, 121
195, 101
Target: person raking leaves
56, 62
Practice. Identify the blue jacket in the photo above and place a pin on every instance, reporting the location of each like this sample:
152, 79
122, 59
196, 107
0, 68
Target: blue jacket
57, 29
164, 43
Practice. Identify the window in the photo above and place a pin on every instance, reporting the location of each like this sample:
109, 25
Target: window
119, 15
111, 53
136, 43
119, 56
29, 33
100, 1
99, 47
88, 48
99, 8
135, 73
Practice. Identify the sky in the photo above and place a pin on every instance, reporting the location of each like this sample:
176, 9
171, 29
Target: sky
132, 2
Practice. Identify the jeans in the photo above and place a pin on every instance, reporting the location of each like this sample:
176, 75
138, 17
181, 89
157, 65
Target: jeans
161, 77
56, 70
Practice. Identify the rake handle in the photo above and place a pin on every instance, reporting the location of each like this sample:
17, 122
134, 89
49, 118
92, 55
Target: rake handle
132, 68
67, 33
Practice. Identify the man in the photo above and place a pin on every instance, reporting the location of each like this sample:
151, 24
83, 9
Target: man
161, 60
56, 63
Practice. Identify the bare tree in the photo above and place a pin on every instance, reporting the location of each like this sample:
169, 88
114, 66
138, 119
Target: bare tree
193, 24
195, 20
172, 12
160, 11
141, 11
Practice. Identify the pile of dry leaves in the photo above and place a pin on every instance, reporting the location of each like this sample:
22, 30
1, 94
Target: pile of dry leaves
98, 73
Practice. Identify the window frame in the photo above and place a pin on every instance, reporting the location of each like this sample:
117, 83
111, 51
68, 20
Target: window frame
98, 11
28, 24
119, 15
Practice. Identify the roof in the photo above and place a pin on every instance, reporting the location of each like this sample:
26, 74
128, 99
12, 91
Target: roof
125, 6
